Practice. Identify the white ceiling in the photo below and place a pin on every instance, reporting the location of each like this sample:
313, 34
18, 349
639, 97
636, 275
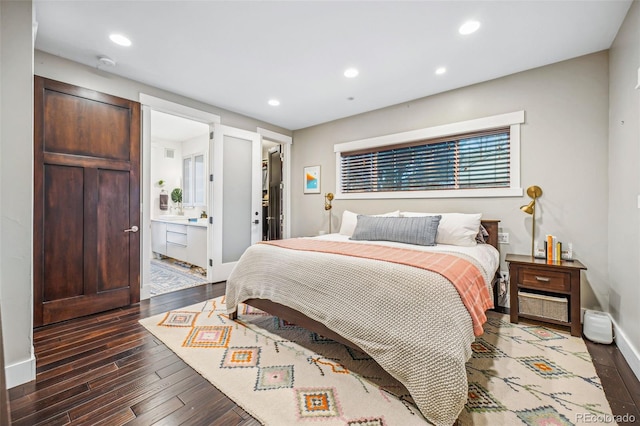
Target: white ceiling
175, 129
238, 54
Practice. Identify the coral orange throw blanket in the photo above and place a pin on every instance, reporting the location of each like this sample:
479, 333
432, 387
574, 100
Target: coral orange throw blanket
464, 275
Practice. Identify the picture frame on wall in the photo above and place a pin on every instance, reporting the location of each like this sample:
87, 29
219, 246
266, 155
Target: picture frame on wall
311, 180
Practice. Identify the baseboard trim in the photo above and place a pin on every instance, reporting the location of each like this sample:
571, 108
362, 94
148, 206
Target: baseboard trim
21, 372
145, 292
628, 351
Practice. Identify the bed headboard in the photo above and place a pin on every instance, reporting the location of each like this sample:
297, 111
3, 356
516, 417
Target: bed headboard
492, 228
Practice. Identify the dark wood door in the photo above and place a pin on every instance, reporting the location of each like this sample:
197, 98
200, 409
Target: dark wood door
86, 201
275, 195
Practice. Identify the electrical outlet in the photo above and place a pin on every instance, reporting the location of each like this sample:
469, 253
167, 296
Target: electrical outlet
503, 237
504, 275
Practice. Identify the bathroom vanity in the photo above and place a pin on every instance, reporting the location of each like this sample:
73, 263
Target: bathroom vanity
180, 239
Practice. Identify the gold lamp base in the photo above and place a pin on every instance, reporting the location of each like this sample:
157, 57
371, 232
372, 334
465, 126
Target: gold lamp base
533, 192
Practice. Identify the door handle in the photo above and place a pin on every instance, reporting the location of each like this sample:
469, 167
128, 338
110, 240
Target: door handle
256, 222
132, 229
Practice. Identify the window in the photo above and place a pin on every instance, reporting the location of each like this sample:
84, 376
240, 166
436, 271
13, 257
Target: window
193, 180
474, 158
470, 161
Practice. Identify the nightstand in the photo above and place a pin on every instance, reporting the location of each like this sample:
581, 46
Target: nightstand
547, 285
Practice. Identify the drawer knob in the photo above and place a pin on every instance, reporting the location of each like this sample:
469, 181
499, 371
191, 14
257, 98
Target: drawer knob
543, 279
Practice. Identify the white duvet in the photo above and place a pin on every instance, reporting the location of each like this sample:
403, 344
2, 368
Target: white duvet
410, 320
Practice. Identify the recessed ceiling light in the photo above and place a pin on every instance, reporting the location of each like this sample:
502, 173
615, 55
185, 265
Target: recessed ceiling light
441, 70
469, 27
120, 39
351, 72
274, 102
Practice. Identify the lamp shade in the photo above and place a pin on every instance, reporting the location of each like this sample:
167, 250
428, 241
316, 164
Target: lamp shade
529, 208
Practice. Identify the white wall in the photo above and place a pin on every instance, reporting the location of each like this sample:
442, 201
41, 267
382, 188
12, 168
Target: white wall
563, 150
196, 145
16, 188
167, 169
624, 187
170, 170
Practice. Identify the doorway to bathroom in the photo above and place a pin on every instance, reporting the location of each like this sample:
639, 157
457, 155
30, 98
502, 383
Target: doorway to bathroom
233, 156
175, 149
179, 202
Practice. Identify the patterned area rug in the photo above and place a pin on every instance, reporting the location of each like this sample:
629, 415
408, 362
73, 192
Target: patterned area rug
167, 276
284, 375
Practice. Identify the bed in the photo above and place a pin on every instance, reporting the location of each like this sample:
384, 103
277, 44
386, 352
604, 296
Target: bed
410, 319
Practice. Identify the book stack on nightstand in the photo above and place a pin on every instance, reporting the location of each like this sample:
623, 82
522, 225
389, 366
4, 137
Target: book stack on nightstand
544, 291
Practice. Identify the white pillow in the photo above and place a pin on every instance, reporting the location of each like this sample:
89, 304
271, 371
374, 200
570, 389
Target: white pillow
457, 229
350, 220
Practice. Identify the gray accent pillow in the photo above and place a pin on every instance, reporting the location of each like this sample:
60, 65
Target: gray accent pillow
411, 230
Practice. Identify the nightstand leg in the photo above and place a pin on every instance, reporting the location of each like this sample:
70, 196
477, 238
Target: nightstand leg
513, 295
576, 329
576, 326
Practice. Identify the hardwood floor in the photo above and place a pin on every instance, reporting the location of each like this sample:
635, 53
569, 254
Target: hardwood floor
106, 369
620, 384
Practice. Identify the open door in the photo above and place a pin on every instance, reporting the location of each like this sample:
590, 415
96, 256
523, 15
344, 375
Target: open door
237, 196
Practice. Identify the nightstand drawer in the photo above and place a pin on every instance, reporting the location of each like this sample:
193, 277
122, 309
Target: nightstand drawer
545, 279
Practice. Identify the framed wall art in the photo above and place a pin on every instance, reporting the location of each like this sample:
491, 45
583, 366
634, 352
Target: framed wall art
312, 180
